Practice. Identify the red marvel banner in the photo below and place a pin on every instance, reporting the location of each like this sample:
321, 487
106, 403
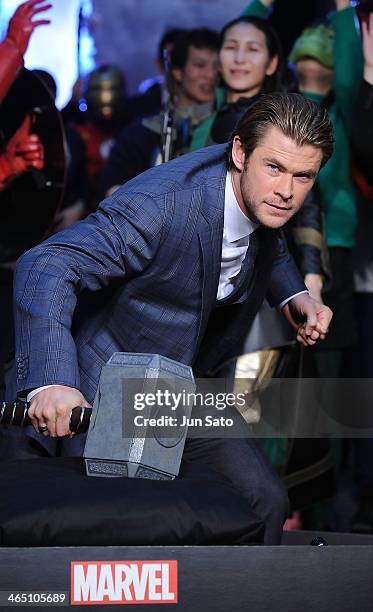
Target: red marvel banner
123, 582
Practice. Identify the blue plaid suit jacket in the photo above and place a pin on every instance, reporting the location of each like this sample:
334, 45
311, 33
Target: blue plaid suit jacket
140, 274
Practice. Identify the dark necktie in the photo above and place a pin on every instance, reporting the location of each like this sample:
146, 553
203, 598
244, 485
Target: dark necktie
244, 276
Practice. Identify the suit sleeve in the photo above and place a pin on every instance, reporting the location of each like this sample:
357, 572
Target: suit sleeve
286, 280
113, 244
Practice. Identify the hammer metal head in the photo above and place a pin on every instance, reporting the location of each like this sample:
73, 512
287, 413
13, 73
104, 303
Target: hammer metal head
130, 432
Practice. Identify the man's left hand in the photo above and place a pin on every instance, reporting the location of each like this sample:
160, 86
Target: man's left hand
310, 318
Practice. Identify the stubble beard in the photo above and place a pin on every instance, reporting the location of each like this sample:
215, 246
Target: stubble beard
269, 221
250, 211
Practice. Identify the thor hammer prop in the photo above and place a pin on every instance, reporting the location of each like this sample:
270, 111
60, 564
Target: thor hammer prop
134, 428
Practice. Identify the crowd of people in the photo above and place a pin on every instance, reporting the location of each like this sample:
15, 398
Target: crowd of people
208, 82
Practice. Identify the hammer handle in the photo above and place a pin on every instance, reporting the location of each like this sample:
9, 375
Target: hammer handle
17, 414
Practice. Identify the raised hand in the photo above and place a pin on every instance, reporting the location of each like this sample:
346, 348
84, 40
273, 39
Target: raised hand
21, 25
16, 41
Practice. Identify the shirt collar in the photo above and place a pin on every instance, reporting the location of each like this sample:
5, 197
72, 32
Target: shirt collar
236, 224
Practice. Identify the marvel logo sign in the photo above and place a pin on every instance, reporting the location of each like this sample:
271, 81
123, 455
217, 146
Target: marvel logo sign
123, 582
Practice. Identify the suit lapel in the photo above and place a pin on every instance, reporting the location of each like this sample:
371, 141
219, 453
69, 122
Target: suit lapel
210, 237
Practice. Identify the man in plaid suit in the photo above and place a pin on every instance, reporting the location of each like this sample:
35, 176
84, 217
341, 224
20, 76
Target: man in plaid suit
177, 262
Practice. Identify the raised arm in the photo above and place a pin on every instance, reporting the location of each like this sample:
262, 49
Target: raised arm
258, 8
348, 58
362, 121
367, 31
24, 150
14, 46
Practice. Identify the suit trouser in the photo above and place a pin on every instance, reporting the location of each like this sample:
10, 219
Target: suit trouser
243, 463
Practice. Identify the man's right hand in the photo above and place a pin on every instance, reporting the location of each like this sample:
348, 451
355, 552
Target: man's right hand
52, 408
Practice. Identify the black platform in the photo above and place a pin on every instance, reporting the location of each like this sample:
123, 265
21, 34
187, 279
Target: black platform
300, 537
286, 578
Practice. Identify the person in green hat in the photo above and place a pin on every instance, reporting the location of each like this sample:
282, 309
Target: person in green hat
317, 44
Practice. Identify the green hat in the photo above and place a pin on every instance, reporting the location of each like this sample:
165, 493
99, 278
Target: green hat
316, 42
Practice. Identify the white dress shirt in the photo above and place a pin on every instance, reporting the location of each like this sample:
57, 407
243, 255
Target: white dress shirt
236, 238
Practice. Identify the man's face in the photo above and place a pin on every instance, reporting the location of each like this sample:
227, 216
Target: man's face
198, 78
271, 187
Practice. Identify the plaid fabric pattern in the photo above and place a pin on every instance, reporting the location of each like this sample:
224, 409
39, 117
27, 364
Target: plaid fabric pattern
139, 274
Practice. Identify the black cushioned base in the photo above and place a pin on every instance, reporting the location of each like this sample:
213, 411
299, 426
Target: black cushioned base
51, 502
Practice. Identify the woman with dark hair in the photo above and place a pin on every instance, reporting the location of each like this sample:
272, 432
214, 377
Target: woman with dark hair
250, 64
